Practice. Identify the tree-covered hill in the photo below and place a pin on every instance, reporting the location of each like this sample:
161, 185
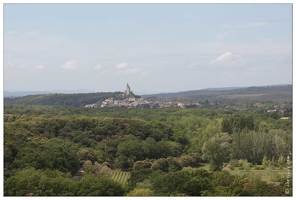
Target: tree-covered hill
229, 95
249, 94
76, 100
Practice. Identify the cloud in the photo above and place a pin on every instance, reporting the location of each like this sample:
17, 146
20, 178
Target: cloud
228, 59
9, 65
221, 36
24, 66
251, 74
70, 64
244, 26
223, 57
256, 24
98, 66
39, 66
131, 71
121, 66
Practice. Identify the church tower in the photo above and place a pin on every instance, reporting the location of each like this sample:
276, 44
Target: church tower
128, 89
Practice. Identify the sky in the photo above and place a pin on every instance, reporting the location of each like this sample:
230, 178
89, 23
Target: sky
153, 47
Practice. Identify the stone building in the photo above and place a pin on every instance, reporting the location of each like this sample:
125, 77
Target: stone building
128, 90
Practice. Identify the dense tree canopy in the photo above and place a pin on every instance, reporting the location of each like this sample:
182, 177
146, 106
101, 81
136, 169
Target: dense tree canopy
162, 149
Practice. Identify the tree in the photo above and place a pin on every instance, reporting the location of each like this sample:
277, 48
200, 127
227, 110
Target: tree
160, 164
200, 181
86, 154
51, 154
138, 176
174, 165
170, 183
92, 186
217, 150
265, 162
149, 148
39, 183
140, 192
96, 169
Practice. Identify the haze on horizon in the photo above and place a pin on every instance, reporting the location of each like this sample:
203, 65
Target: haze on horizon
153, 47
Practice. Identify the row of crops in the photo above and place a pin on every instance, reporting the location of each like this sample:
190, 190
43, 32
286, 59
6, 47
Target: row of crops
120, 177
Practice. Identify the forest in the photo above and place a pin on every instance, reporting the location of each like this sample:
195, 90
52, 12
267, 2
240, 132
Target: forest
239, 149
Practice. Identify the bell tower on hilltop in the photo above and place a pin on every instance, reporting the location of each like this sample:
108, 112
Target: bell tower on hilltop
128, 90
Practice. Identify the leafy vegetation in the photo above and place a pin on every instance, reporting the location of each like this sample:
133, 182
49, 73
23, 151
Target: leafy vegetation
207, 151
278, 93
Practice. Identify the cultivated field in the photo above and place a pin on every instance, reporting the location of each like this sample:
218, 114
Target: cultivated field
120, 177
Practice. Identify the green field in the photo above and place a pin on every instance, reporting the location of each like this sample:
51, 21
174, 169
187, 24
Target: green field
267, 175
120, 177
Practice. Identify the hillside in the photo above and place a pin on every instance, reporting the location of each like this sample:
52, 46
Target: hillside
249, 94
75, 100
227, 95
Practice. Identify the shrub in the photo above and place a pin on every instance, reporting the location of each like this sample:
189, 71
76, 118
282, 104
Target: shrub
259, 167
231, 167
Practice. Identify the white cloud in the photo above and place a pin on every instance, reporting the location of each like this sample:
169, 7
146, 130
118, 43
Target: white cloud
256, 24
9, 65
121, 66
228, 59
70, 64
98, 66
251, 74
243, 26
39, 66
24, 66
131, 71
221, 36
223, 57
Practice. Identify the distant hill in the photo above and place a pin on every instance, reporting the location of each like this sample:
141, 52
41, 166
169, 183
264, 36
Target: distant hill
223, 95
246, 94
26, 93
76, 100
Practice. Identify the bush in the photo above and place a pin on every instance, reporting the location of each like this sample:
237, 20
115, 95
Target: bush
247, 166
259, 167
160, 164
140, 192
142, 164
231, 167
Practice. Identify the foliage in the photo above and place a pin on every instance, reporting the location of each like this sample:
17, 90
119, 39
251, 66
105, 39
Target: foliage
217, 150
96, 169
92, 186
140, 192
51, 154
153, 145
76, 100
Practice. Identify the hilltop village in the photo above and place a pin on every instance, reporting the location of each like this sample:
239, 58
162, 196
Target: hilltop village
129, 100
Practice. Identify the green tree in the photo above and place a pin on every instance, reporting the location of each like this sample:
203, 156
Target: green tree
160, 164
92, 186
141, 192
217, 150
52, 154
170, 183
139, 176
96, 169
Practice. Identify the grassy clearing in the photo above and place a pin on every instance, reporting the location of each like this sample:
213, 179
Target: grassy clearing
268, 175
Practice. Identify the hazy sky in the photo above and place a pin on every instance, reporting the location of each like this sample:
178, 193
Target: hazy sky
153, 47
